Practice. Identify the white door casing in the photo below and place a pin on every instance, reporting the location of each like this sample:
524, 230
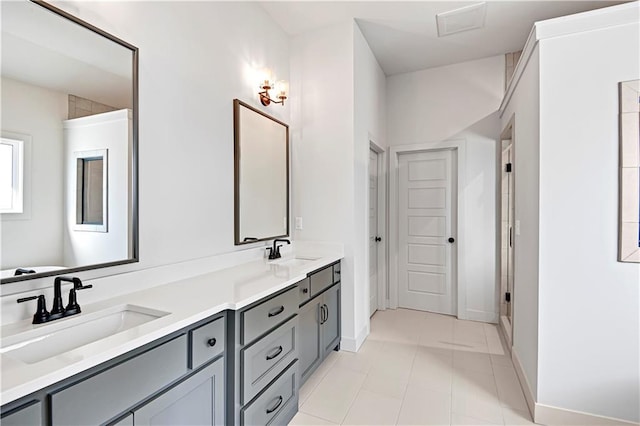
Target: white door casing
373, 231
426, 205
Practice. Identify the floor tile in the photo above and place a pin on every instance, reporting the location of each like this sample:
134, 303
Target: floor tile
509, 390
503, 360
468, 382
484, 408
475, 361
372, 409
425, 407
333, 396
303, 419
384, 384
458, 420
516, 417
432, 371
417, 368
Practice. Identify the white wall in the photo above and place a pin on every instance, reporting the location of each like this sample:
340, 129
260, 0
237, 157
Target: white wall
459, 102
195, 58
369, 125
340, 107
437, 103
589, 303
323, 149
34, 237
525, 104
110, 131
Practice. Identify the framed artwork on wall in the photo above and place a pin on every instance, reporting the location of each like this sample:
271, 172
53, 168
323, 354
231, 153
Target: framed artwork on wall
629, 221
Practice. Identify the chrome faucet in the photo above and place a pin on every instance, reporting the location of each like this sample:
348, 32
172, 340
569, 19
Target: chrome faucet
274, 252
58, 310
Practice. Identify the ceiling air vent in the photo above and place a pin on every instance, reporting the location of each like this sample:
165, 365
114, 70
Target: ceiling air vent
462, 19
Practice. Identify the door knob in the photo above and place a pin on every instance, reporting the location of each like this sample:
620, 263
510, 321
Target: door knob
378, 239
451, 240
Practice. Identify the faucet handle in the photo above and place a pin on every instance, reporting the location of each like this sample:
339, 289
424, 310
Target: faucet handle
41, 315
73, 307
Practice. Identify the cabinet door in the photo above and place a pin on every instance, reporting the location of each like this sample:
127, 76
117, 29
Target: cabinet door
331, 325
26, 415
309, 345
198, 400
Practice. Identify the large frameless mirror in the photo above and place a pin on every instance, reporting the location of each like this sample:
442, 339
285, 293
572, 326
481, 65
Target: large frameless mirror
68, 153
261, 175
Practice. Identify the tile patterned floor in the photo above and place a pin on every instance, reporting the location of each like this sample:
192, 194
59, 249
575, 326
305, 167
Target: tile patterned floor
417, 368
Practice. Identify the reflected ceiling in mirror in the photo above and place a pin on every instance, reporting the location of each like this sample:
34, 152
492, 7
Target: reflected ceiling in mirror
69, 96
261, 175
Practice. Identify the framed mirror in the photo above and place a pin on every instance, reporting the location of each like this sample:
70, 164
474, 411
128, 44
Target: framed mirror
261, 152
68, 154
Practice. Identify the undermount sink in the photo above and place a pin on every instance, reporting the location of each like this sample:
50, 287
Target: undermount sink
59, 337
294, 261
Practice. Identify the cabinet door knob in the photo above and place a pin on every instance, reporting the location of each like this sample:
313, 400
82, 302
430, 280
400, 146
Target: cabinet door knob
451, 240
276, 311
212, 342
378, 239
305, 290
275, 406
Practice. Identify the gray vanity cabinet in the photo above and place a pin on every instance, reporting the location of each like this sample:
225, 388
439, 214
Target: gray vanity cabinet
198, 400
310, 341
265, 386
29, 414
319, 320
176, 380
330, 325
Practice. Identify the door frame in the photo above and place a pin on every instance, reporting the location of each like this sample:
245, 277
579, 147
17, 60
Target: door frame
508, 133
459, 278
383, 296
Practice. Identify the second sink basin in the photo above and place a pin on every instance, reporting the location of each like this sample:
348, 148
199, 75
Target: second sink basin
294, 261
55, 338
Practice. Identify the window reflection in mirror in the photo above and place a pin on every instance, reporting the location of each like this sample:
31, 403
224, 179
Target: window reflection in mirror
91, 191
261, 175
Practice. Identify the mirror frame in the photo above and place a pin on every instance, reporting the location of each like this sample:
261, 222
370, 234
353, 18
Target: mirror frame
237, 104
134, 155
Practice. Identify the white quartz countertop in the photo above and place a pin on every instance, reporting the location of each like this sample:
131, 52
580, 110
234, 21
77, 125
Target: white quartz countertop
187, 301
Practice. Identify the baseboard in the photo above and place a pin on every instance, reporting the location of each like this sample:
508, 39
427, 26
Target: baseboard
548, 415
524, 383
352, 345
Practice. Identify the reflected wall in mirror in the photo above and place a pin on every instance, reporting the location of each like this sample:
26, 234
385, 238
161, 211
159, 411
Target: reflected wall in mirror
261, 175
69, 96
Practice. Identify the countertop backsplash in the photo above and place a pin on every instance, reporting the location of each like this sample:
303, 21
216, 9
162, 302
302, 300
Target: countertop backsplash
106, 287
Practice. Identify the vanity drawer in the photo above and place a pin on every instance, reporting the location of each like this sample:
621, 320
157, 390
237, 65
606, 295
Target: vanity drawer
267, 358
109, 393
336, 272
321, 280
267, 315
278, 398
207, 342
304, 287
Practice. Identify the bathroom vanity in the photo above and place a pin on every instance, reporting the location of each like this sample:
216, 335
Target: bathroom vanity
238, 361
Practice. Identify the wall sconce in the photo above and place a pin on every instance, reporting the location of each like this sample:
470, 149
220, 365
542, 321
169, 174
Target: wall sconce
281, 88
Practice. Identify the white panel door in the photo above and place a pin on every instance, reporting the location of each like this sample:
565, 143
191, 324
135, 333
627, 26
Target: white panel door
373, 231
425, 255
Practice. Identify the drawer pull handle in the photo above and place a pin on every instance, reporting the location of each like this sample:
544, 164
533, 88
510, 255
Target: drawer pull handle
276, 406
212, 342
276, 311
277, 352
